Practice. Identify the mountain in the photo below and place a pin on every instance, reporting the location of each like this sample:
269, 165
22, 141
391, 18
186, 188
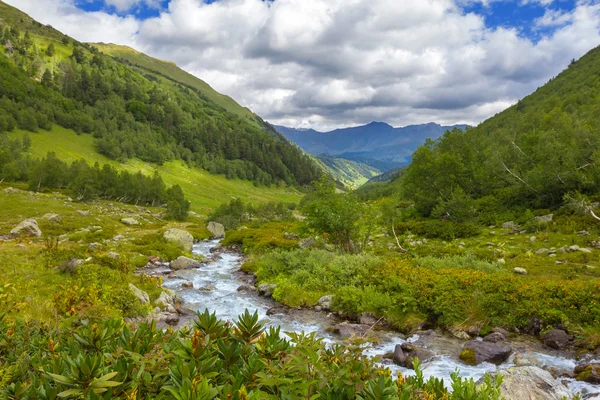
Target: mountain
135, 107
374, 142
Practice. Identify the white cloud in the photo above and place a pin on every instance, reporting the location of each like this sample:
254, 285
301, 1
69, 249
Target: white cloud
332, 63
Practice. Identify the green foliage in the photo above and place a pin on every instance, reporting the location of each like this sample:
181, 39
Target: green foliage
269, 236
105, 359
132, 113
433, 229
338, 216
237, 212
177, 206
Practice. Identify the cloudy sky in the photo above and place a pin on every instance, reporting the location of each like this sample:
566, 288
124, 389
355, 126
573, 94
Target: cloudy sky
333, 63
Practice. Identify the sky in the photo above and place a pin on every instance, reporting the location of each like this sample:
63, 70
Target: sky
335, 63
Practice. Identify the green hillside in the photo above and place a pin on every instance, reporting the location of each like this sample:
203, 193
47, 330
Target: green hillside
170, 70
205, 191
350, 173
144, 109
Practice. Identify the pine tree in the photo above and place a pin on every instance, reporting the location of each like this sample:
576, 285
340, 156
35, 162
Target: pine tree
47, 79
50, 50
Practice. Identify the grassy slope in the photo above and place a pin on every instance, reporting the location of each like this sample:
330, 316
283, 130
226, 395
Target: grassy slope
351, 173
173, 71
205, 191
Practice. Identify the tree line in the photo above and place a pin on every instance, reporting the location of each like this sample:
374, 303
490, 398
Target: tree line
137, 115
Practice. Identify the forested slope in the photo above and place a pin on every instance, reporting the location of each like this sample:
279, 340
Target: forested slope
48, 78
529, 156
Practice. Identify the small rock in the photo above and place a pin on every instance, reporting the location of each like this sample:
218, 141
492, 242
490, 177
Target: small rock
183, 262
83, 213
52, 217
10, 190
494, 337
113, 255
187, 285
140, 294
118, 238
28, 227
520, 271
325, 302
502, 331
573, 248
510, 225
556, 339
95, 246
544, 219
532, 239
501, 261
266, 289
217, 229
154, 259
476, 352
130, 221
459, 334
542, 251
404, 355
277, 310
166, 298
290, 236
347, 330
585, 250
172, 320
306, 243
583, 233
246, 288
207, 288
367, 319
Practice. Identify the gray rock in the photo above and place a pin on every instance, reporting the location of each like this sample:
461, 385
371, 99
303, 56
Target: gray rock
118, 238
266, 289
28, 227
246, 288
10, 190
140, 294
113, 255
573, 248
459, 334
325, 302
511, 225
166, 298
585, 250
52, 217
583, 233
404, 354
83, 213
187, 285
130, 221
532, 383
306, 243
532, 239
589, 373
183, 262
180, 237
556, 339
95, 246
542, 251
347, 330
217, 229
520, 271
367, 319
544, 219
475, 352
494, 337
277, 310
290, 236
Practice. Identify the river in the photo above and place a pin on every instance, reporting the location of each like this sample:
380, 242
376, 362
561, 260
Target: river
215, 286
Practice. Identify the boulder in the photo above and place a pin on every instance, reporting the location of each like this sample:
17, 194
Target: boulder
183, 262
405, 353
532, 383
511, 225
556, 339
28, 227
140, 294
347, 329
130, 221
589, 373
494, 337
180, 237
52, 217
520, 271
544, 219
266, 289
475, 352
325, 302
217, 229
167, 298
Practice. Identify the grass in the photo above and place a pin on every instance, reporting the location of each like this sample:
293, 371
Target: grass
34, 270
205, 191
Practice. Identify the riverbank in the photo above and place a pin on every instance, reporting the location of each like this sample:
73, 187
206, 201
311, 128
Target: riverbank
219, 285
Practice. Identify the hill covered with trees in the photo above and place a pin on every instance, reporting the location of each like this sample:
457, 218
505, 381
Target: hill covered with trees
132, 111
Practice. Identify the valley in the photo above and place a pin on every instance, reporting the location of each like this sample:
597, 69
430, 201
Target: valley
159, 240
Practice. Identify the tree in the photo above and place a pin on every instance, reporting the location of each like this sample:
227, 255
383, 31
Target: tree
335, 215
26, 142
177, 206
78, 54
47, 79
50, 51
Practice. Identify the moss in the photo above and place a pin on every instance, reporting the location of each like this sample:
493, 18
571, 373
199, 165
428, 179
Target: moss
468, 357
585, 374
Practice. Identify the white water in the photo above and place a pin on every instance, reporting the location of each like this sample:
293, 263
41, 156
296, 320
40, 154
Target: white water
215, 288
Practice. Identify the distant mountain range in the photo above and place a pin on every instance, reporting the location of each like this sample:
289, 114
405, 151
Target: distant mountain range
377, 144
